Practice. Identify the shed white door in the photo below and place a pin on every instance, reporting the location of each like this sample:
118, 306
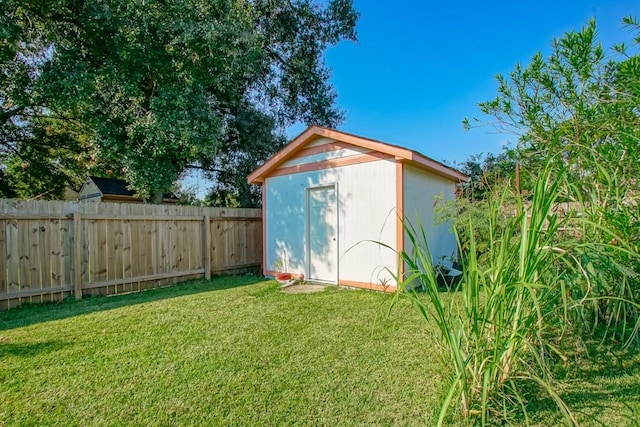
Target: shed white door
322, 225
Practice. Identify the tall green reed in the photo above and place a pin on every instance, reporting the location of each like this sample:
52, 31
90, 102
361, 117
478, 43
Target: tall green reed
609, 223
515, 300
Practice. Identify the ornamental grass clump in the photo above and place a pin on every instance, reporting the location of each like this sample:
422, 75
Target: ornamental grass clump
610, 213
502, 330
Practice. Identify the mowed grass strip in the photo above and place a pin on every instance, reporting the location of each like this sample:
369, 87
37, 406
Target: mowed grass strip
238, 351
229, 351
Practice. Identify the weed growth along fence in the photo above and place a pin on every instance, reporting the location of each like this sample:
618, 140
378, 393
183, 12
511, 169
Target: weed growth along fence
52, 249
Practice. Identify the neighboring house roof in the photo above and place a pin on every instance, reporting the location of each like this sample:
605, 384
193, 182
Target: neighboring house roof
112, 186
119, 188
409, 156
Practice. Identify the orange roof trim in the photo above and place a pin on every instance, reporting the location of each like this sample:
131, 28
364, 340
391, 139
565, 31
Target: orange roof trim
411, 157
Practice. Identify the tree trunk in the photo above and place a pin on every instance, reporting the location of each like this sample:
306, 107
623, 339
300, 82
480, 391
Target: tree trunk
155, 198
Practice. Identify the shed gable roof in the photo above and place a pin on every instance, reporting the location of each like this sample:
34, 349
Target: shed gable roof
298, 144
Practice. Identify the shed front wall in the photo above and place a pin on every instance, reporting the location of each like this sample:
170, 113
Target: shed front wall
423, 192
366, 195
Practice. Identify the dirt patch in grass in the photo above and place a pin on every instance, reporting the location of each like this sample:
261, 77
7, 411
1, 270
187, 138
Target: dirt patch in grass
303, 288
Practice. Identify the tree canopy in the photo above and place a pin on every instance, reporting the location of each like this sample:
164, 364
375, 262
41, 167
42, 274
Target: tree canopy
579, 106
151, 88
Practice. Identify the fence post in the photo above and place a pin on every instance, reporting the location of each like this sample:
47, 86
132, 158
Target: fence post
77, 256
207, 246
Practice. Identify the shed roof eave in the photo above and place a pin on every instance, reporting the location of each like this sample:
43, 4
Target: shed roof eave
437, 168
297, 143
402, 154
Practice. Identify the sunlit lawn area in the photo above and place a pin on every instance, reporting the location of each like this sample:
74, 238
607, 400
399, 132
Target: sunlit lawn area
238, 351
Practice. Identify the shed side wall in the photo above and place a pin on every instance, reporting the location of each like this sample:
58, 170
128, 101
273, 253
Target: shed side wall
423, 191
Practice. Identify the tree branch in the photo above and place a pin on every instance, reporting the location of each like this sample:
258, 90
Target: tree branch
6, 115
204, 168
275, 55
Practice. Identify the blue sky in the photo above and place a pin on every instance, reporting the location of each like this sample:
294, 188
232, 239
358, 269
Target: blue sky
420, 67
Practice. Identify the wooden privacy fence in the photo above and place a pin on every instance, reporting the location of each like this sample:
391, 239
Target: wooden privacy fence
52, 249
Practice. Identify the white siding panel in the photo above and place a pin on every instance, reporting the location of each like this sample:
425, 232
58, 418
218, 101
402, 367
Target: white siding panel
285, 224
366, 212
336, 154
422, 191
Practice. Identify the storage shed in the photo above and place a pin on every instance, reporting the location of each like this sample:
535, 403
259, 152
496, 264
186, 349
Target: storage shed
328, 197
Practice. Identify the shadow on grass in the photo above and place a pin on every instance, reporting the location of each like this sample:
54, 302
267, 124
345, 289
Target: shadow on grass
31, 314
607, 382
29, 350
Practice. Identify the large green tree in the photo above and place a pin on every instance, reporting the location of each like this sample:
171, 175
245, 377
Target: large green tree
579, 106
161, 86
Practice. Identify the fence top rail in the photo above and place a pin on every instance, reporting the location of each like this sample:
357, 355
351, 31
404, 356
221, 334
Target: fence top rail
142, 217
167, 217
27, 216
60, 208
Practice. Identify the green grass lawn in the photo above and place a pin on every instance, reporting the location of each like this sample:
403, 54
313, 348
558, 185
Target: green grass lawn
237, 351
